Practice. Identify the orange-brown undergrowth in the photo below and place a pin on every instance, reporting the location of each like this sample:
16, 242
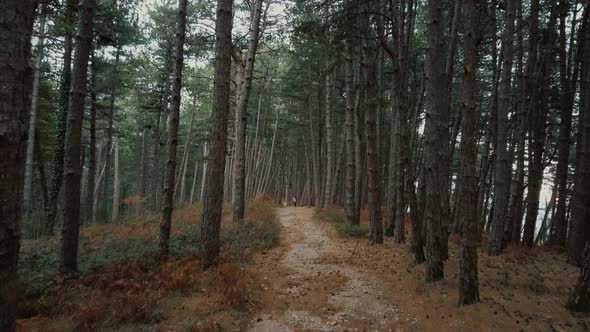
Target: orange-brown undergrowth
133, 295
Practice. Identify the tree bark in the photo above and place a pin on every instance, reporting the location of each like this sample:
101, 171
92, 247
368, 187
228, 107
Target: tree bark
64, 95
168, 203
27, 190
468, 274
503, 167
71, 210
116, 186
349, 133
16, 25
245, 86
91, 180
513, 232
579, 233
538, 123
435, 149
329, 139
568, 84
373, 165
214, 187
109, 133
204, 177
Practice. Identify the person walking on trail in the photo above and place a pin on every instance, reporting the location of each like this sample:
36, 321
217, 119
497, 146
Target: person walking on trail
294, 201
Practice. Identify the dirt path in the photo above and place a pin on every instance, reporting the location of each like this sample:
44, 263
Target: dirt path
314, 288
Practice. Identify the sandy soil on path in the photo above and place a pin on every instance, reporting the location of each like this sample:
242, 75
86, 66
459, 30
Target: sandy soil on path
309, 284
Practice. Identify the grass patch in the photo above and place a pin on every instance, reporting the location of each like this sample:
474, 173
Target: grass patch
336, 216
345, 230
330, 214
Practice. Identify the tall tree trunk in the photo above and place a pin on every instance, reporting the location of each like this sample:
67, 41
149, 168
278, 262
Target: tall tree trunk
435, 149
42, 179
314, 156
16, 25
71, 210
537, 123
27, 190
160, 125
513, 233
448, 159
144, 164
568, 84
91, 180
168, 204
359, 150
373, 165
579, 232
349, 133
329, 139
247, 65
185, 157
107, 174
468, 274
204, 177
214, 187
194, 185
64, 95
503, 167
116, 186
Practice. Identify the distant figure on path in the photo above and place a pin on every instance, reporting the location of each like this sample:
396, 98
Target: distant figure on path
294, 201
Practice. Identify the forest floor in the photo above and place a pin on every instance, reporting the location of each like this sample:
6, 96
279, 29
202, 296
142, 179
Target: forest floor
319, 281
286, 269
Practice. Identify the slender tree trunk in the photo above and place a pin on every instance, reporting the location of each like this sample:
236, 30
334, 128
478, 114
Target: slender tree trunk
359, 150
27, 191
537, 122
91, 180
517, 188
16, 25
568, 84
373, 165
71, 210
144, 164
160, 125
245, 87
204, 178
194, 186
329, 140
579, 232
107, 174
314, 155
116, 186
214, 188
468, 274
168, 204
185, 157
503, 167
42, 177
64, 95
351, 216
435, 147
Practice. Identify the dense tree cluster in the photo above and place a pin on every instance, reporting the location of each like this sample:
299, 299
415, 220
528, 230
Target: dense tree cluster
467, 117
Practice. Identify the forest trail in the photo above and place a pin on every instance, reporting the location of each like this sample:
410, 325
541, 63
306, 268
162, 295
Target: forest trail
313, 286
